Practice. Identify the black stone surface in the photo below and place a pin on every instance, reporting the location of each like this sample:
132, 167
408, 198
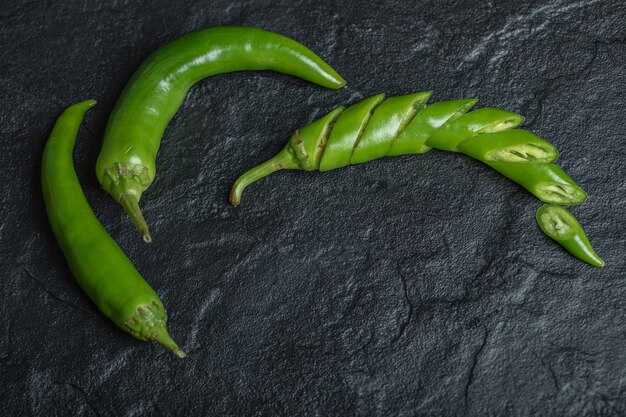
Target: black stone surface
410, 286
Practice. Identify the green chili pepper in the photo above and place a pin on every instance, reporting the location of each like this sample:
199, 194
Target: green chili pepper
401, 125
562, 226
126, 165
96, 261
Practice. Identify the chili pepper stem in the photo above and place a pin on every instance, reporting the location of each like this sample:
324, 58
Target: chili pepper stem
131, 205
283, 160
164, 339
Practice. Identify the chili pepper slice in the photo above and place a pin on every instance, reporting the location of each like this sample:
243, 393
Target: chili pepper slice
509, 146
562, 226
548, 182
484, 120
347, 131
412, 140
389, 119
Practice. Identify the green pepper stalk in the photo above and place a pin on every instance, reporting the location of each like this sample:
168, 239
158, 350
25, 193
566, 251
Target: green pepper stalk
126, 165
303, 151
562, 226
96, 261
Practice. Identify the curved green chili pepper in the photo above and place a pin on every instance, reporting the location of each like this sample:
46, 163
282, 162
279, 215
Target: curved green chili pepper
562, 226
126, 165
401, 125
97, 263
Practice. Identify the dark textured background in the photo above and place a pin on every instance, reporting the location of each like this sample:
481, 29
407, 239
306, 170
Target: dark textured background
411, 286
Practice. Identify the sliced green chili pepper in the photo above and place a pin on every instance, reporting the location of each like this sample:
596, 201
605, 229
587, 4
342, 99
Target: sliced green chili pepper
562, 226
96, 261
401, 125
126, 165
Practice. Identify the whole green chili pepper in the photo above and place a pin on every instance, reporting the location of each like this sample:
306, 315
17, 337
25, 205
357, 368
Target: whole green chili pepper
126, 165
562, 226
374, 128
96, 261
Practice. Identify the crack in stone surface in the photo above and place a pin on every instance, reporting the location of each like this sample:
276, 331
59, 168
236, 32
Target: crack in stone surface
49, 292
473, 366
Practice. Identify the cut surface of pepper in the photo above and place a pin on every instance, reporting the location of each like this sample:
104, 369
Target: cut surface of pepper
126, 165
562, 226
97, 263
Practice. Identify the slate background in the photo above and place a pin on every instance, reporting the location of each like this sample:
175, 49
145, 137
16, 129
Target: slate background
410, 286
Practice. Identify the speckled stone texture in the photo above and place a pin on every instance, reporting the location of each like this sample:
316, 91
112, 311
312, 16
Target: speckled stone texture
409, 286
